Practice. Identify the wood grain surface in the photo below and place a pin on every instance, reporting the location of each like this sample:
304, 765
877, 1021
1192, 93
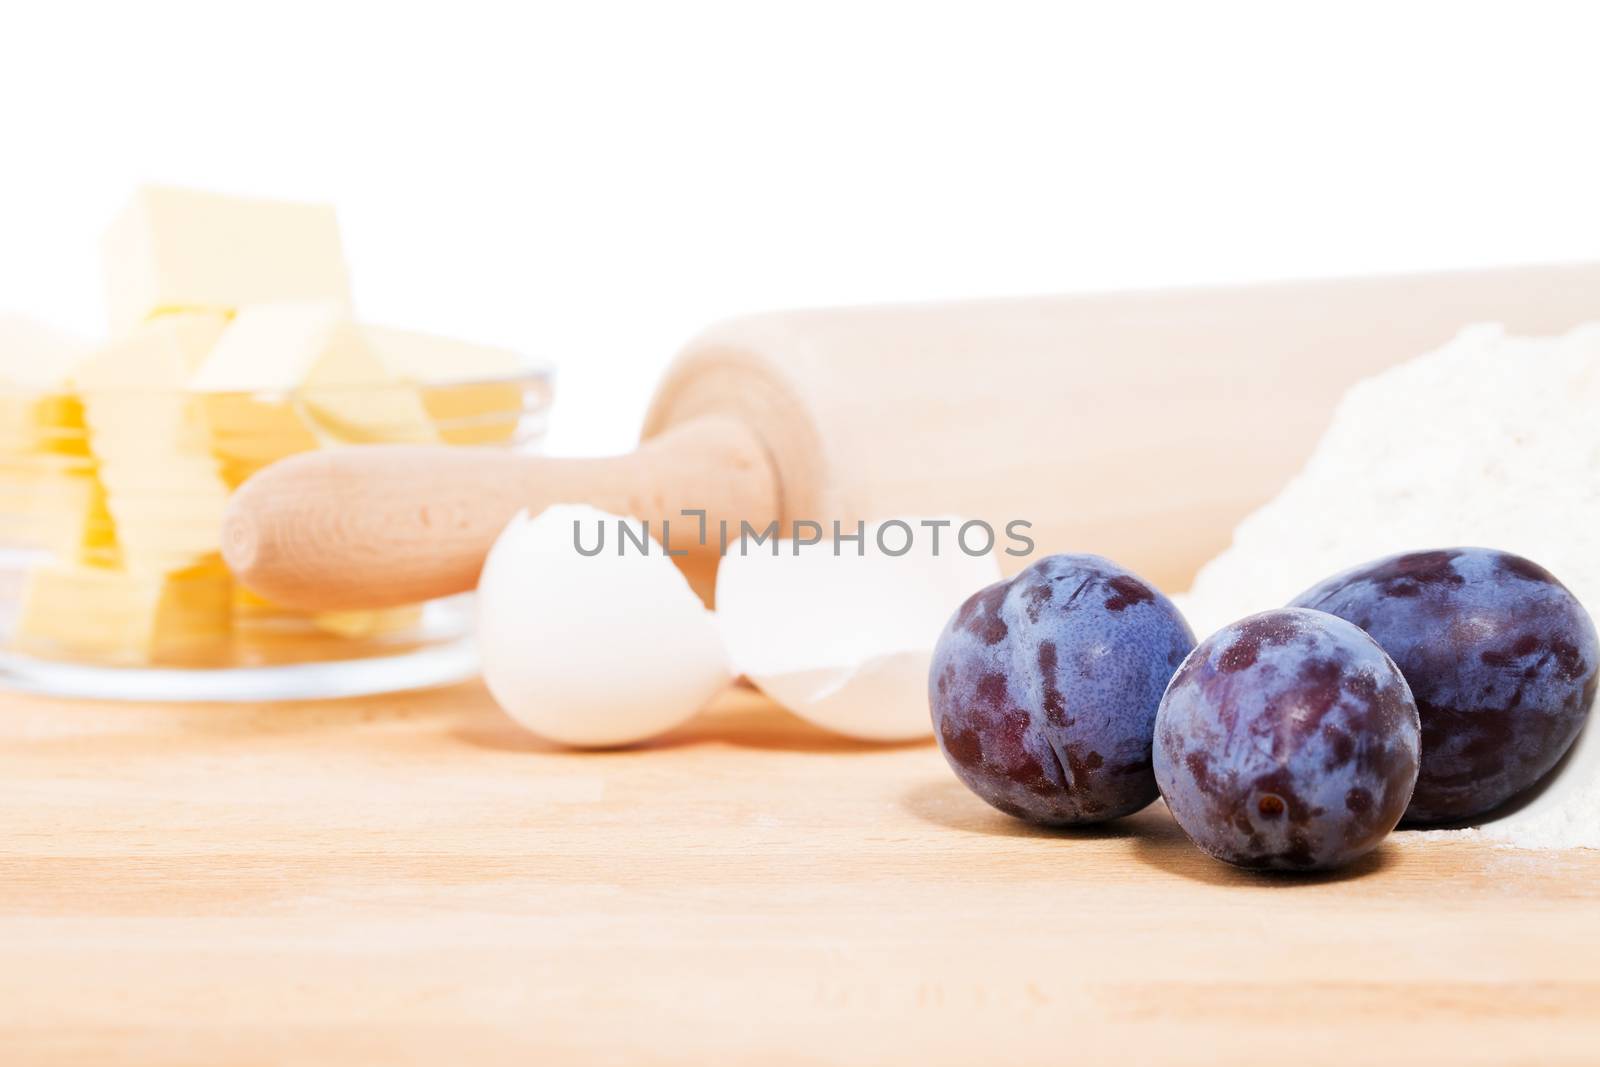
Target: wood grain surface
411, 880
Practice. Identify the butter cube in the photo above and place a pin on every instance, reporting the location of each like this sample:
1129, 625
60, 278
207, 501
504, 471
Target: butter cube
56, 504
424, 357
158, 356
178, 250
126, 618
270, 347
247, 380
34, 356
456, 381
38, 412
50, 496
259, 620
310, 354
366, 625
250, 431
351, 396
164, 487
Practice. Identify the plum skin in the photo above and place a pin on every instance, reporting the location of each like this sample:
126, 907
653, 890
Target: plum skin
1043, 689
1500, 656
1288, 740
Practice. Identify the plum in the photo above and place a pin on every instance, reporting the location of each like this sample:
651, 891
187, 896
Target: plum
1500, 657
1044, 689
1287, 740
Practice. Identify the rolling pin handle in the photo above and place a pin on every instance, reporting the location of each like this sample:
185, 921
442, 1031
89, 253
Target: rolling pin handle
377, 526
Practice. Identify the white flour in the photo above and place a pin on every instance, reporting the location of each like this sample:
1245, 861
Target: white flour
1492, 441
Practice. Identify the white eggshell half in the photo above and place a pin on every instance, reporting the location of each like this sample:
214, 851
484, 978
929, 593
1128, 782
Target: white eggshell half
592, 651
845, 641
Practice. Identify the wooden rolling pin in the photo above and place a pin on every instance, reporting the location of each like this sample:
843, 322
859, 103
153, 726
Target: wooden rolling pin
1138, 425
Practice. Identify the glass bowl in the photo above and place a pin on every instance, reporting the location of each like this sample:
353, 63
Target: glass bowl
111, 584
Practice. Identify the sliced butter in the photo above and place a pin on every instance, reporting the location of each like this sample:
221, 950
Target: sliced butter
252, 612
129, 618
309, 356
250, 431
366, 625
56, 504
164, 487
456, 381
179, 250
355, 401
50, 495
38, 412
269, 347
246, 381
33, 356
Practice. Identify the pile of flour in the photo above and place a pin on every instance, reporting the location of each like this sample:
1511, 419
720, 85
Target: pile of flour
1491, 440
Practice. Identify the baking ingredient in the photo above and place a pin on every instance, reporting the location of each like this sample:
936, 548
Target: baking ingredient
181, 250
163, 486
414, 356
1501, 658
326, 378
259, 620
465, 403
1287, 740
592, 650
270, 347
37, 408
843, 635
125, 617
56, 505
1044, 689
233, 346
1490, 440
49, 496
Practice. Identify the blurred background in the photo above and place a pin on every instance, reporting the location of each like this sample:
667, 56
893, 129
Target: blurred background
591, 183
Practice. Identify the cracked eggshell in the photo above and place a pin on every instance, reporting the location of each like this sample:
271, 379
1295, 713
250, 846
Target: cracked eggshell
846, 641
592, 651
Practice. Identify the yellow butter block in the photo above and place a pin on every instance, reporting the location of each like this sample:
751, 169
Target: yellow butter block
41, 422
56, 504
164, 486
374, 415
250, 431
310, 352
93, 540
127, 618
34, 356
355, 400
158, 356
456, 380
179, 250
478, 413
354, 625
38, 412
166, 517
270, 347
50, 495
424, 357
250, 609
246, 383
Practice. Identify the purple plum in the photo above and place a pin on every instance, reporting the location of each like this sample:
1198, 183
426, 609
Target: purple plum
1501, 658
1288, 740
1044, 689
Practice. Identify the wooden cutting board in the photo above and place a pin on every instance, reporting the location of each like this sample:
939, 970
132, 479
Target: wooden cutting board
411, 880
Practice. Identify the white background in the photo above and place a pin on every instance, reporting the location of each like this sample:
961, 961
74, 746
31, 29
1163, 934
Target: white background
593, 182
